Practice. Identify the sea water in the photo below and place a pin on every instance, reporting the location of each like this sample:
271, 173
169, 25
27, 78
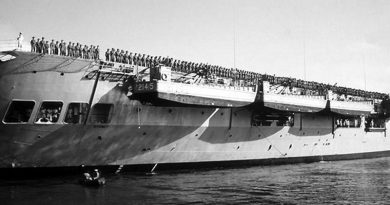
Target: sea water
341, 182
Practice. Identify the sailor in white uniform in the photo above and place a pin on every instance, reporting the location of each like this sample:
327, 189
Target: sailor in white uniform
20, 40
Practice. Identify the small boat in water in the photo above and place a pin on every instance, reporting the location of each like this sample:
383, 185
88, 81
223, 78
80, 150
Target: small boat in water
95, 182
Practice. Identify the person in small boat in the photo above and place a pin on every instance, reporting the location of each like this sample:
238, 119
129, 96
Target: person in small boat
96, 174
87, 176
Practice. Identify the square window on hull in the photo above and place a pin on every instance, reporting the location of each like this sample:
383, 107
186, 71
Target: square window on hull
49, 112
76, 113
19, 111
101, 113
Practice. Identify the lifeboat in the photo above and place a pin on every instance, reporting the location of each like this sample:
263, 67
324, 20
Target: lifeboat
351, 107
295, 103
162, 89
292, 102
345, 105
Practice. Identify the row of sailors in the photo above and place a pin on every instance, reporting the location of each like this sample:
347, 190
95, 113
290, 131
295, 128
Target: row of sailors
121, 56
323, 88
61, 48
79, 51
207, 70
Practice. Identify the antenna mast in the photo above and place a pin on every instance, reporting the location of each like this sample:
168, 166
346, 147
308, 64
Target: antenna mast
304, 45
234, 34
364, 73
304, 58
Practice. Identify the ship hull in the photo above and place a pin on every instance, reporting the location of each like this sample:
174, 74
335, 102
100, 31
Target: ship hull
144, 138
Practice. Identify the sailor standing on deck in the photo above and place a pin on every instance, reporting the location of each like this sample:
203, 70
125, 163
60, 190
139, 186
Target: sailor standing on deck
52, 47
85, 52
46, 47
42, 45
38, 45
76, 50
69, 49
112, 53
61, 45
20, 40
57, 48
108, 55
33, 45
80, 51
97, 53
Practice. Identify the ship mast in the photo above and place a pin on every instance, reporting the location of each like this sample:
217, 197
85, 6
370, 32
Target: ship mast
364, 73
234, 46
304, 57
234, 40
304, 46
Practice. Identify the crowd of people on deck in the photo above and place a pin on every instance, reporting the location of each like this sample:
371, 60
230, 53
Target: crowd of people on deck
71, 49
246, 78
315, 88
205, 70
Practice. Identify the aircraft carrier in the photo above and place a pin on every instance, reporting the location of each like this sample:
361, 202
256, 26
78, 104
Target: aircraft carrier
59, 112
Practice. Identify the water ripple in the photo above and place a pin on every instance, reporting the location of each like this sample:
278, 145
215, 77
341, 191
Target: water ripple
344, 182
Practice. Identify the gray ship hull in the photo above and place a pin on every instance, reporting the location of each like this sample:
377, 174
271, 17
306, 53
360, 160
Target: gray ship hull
140, 137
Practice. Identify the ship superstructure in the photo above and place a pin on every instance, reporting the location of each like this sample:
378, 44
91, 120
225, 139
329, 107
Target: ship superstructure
63, 112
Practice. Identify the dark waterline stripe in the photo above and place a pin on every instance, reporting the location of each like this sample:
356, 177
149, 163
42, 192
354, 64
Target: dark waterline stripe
37, 172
